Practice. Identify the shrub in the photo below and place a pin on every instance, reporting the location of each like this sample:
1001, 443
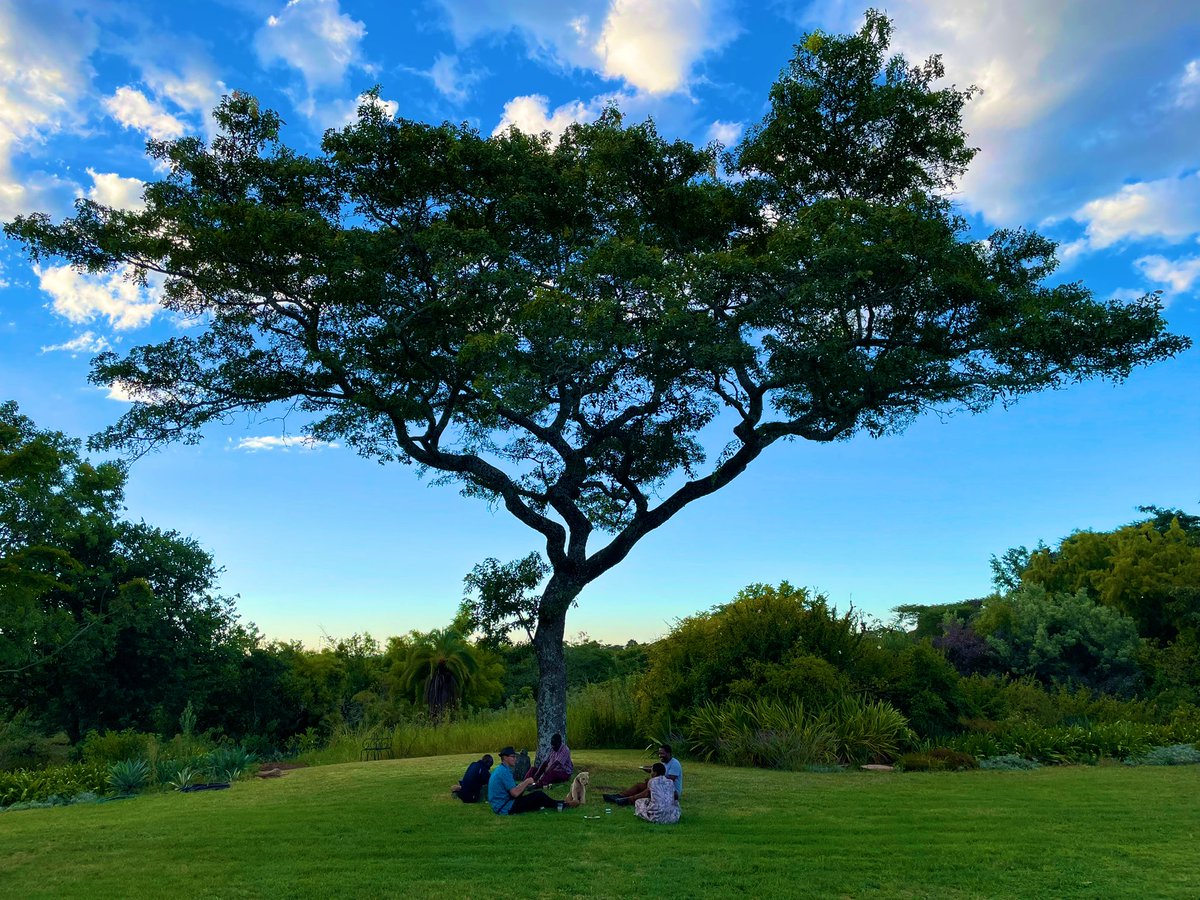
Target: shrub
939, 759
116, 746
1176, 755
128, 776
229, 763
23, 785
777, 734
1009, 762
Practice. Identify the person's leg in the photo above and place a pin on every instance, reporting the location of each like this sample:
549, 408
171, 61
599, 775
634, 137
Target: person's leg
531, 800
641, 789
555, 774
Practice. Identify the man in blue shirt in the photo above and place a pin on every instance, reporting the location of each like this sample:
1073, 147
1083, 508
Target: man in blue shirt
467, 790
508, 796
642, 789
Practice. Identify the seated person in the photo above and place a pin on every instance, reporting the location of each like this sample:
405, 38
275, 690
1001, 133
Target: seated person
674, 773
662, 806
468, 788
556, 767
507, 796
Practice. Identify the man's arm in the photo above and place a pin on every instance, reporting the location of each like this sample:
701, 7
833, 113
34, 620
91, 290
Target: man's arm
518, 789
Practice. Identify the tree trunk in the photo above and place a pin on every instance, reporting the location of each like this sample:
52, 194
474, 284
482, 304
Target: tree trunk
552, 665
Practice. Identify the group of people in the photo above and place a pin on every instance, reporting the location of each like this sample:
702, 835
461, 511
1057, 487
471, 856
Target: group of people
656, 799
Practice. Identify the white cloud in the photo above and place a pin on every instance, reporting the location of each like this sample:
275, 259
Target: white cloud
84, 343
652, 45
531, 114
1068, 93
44, 76
1187, 89
314, 37
1166, 209
1176, 276
111, 189
726, 133
302, 442
82, 297
135, 110
339, 113
128, 392
450, 81
194, 89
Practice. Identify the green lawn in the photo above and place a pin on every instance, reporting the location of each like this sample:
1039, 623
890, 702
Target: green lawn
390, 829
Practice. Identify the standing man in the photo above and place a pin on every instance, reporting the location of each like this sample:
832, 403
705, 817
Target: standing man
674, 772
507, 796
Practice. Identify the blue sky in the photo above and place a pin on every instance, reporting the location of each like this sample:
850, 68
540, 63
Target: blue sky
1089, 129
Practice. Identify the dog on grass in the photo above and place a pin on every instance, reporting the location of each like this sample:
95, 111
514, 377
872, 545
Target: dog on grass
578, 794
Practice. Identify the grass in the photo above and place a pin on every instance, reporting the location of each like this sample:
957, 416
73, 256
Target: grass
390, 829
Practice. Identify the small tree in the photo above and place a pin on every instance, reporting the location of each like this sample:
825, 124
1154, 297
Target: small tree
438, 666
552, 324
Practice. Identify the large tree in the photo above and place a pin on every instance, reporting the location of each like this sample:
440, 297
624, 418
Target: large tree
551, 323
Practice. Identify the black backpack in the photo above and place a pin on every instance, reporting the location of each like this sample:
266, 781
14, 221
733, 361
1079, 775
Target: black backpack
523, 765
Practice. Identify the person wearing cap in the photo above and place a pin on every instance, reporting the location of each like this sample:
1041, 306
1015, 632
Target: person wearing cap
508, 796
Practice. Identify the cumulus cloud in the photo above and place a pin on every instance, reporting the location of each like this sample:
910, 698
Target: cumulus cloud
135, 110
1070, 93
83, 343
301, 442
1176, 276
531, 114
111, 189
725, 133
339, 113
652, 45
44, 75
314, 37
194, 88
81, 297
1166, 209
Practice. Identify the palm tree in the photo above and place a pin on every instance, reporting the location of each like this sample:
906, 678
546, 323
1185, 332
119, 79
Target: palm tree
438, 665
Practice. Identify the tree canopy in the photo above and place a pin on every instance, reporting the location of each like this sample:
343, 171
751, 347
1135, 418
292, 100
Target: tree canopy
552, 323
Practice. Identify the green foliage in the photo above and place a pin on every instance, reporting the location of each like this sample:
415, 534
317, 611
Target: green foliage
1147, 572
1175, 755
23, 785
229, 763
1063, 638
114, 746
502, 598
766, 640
784, 735
1009, 763
939, 759
437, 668
1073, 743
128, 776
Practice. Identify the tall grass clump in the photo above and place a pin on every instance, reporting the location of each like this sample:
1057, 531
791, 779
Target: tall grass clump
779, 734
600, 715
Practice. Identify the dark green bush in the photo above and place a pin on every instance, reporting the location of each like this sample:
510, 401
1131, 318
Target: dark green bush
111, 747
939, 759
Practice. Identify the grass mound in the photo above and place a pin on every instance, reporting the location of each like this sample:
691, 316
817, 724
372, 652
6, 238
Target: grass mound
390, 829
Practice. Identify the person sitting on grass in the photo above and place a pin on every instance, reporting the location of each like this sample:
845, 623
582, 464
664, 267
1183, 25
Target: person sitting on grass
674, 772
468, 788
556, 768
662, 806
508, 796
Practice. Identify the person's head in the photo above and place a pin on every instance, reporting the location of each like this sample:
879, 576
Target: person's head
664, 752
487, 760
508, 757
658, 769
556, 741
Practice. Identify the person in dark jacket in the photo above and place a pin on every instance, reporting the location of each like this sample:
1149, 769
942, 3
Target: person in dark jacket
477, 774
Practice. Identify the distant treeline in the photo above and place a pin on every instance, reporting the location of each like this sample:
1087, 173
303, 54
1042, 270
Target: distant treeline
108, 625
